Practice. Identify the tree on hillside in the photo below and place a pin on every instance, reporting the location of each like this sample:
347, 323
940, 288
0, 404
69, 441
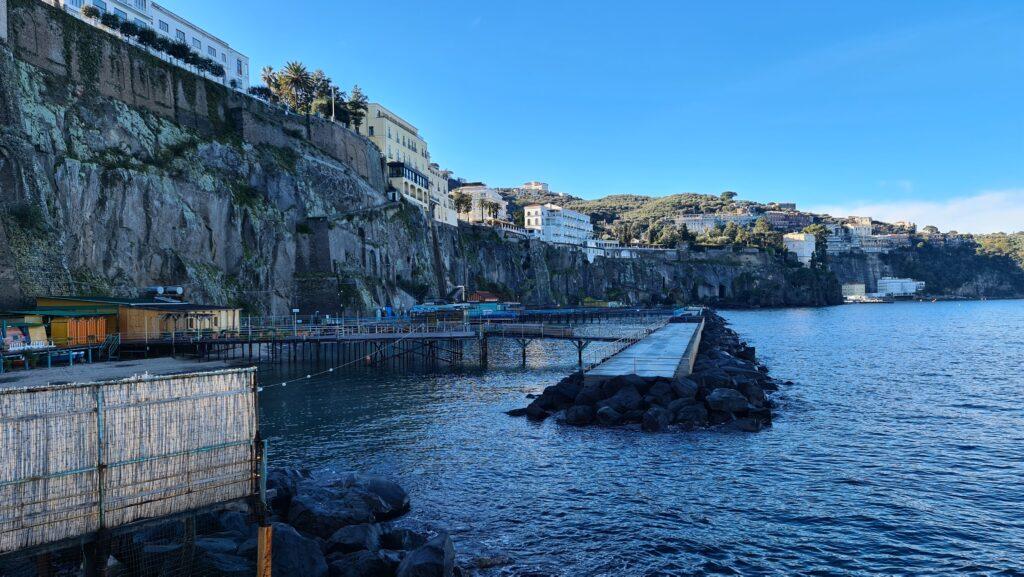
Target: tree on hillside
727, 195
764, 235
357, 105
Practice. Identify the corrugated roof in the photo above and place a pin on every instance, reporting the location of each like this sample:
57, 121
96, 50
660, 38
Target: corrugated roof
149, 303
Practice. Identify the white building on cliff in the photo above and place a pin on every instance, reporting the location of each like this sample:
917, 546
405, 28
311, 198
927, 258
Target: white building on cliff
149, 14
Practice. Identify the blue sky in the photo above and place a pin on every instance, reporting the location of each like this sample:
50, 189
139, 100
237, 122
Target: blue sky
909, 108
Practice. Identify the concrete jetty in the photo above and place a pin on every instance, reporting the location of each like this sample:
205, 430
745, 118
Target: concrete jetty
668, 352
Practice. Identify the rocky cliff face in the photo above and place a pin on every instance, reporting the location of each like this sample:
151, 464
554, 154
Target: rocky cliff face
953, 271
118, 170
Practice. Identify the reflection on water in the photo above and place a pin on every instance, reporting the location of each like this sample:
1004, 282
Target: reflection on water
899, 450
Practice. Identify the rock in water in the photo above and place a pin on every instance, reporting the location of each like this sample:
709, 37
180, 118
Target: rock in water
402, 539
321, 511
354, 538
691, 416
580, 415
296, 555
627, 399
656, 419
359, 564
727, 400
435, 559
608, 417
390, 500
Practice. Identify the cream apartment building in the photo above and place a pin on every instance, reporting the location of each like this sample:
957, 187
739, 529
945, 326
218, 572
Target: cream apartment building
410, 170
168, 24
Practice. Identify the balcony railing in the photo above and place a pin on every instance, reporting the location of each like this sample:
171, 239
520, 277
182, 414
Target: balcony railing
403, 170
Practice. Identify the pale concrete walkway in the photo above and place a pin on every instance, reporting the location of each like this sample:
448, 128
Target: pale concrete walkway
667, 352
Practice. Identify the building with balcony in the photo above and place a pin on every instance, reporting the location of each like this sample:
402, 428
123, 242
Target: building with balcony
553, 223
410, 170
149, 14
486, 204
899, 287
536, 186
441, 200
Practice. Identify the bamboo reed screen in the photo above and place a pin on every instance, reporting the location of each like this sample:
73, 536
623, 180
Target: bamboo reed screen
80, 457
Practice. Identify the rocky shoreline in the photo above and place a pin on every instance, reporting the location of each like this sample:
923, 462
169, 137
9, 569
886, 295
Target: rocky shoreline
728, 388
337, 527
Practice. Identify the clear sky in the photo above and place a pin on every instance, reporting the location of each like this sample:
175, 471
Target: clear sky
907, 109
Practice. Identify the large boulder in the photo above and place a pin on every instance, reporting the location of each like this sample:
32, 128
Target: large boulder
727, 400
713, 379
360, 564
294, 554
580, 415
615, 384
754, 393
626, 399
690, 416
684, 389
220, 564
590, 394
656, 419
660, 393
608, 417
365, 536
537, 410
387, 498
402, 539
321, 511
434, 559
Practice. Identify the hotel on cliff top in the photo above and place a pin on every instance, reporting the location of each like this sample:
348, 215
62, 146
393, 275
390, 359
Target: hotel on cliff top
168, 24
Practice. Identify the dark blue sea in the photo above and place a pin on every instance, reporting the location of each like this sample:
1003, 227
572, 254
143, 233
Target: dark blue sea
898, 450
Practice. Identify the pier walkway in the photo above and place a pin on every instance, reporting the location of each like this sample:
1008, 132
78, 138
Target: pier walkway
667, 352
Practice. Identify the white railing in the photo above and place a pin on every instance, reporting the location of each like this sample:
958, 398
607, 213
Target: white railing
599, 352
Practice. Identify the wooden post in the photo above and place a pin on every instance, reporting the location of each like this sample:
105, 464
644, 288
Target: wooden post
264, 556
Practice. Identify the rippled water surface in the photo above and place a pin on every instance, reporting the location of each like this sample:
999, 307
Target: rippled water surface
898, 450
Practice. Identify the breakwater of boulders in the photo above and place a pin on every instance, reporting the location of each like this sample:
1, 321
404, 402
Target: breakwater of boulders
728, 388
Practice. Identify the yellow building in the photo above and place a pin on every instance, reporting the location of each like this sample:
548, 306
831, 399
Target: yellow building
410, 170
140, 319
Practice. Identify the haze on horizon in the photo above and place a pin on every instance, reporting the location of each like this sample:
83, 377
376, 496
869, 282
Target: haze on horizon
907, 110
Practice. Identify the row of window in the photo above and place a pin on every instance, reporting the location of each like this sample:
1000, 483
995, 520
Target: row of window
164, 27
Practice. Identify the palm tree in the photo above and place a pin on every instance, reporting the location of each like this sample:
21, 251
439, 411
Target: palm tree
296, 83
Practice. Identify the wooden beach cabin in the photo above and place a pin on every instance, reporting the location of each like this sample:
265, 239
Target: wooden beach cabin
74, 326
154, 318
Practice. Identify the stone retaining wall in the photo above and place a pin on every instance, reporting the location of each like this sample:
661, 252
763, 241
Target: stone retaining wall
98, 61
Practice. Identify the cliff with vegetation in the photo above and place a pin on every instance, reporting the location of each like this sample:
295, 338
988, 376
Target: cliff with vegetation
119, 170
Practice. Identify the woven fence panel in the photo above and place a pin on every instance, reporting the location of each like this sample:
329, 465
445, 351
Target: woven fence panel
79, 458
